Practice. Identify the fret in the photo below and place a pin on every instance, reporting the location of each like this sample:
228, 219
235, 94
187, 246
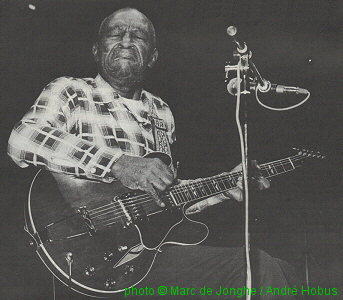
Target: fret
203, 190
194, 191
215, 185
189, 194
173, 198
184, 193
279, 169
268, 172
210, 186
290, 161
225, 182
272, 169
232, 181
200, 190
178, 194
221, 183
288, 166
207, 188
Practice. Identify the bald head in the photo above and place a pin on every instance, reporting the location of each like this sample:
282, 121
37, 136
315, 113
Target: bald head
125, 49
130, 13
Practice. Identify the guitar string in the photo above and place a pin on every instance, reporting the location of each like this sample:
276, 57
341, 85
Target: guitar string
203, 182
152, 202
112, 220
143, 209
178, 187
184, 188
132, 203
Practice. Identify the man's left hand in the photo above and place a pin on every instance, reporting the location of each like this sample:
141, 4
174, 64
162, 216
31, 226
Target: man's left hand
259, 182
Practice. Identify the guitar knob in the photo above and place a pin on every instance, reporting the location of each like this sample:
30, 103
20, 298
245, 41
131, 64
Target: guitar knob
129, 270
90, 270
109, 284
108, 256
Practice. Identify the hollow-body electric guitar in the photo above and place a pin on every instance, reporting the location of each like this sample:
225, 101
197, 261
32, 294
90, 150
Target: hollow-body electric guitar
100, 238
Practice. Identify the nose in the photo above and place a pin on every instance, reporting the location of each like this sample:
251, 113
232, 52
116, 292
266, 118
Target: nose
126, 39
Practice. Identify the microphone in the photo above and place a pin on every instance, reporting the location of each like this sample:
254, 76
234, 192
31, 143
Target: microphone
273, 88
283, 89
263, 85
278, 88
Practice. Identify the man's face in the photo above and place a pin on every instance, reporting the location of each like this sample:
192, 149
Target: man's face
125, 47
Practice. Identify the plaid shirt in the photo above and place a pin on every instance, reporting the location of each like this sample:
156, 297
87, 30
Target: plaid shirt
82, 126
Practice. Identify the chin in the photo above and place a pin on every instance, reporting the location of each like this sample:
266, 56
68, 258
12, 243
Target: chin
126, 73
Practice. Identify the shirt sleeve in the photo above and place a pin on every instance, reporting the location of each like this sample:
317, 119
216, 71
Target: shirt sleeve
43, 138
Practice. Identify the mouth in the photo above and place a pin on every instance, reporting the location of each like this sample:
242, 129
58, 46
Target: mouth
125, 54
125, 57
121, 60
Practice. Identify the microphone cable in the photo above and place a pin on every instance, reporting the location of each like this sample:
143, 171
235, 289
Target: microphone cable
279, 109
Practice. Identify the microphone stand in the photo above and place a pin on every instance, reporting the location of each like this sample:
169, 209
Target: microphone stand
245, 64
243, 85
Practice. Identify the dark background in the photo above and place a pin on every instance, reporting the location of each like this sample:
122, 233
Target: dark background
297, 43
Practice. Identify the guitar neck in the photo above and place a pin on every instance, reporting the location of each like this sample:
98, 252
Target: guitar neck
135, 206
206, 187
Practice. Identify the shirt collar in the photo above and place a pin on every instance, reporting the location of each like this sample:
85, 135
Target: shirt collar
102, 83
141, 116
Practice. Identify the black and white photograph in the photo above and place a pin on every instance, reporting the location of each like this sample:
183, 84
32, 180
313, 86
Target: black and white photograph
171, 149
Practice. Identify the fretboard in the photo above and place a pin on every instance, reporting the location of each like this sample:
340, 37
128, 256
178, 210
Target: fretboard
130, 207
206, 187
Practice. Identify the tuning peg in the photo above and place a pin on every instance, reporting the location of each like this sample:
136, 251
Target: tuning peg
308, 153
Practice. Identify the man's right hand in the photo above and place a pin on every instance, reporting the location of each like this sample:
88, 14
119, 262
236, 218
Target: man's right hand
150, 175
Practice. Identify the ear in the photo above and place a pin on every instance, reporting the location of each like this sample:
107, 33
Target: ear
154, 57
95, 49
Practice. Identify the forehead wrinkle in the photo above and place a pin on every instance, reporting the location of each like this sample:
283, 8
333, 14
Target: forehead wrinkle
105, 25
130, 27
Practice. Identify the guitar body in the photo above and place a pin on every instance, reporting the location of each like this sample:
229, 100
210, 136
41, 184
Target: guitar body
94, 241
100, 238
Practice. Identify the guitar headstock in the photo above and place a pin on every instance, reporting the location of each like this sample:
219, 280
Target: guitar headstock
304, 153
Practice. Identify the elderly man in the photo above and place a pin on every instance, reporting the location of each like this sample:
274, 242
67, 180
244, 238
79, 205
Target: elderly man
101, 128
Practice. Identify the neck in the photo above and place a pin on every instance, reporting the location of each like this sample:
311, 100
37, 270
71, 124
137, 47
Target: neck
130, 93
129, 90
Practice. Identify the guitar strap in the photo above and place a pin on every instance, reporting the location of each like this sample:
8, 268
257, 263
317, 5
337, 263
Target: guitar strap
159, 129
